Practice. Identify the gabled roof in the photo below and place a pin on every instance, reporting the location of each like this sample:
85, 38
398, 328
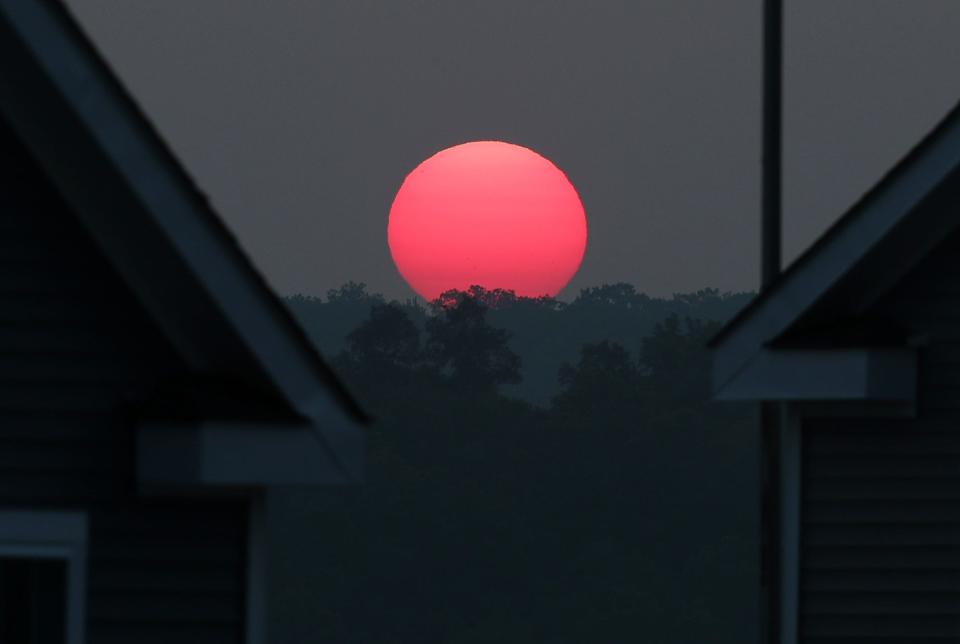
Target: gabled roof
881, 237
156, 227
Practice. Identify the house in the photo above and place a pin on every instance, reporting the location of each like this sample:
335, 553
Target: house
857, 345
151, 385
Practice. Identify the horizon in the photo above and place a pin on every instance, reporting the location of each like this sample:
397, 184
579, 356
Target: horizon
651, 108
415, 297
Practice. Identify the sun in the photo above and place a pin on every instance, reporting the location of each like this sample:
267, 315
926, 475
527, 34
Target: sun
487, 213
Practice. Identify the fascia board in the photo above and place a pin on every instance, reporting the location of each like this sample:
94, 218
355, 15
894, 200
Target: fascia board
180, 455
882, 375
803, 285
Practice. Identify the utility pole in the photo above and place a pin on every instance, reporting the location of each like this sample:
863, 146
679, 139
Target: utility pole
772, 139
770, 251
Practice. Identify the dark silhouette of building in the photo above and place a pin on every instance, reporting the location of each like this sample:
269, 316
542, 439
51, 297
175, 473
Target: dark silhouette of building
858, 341
151, 384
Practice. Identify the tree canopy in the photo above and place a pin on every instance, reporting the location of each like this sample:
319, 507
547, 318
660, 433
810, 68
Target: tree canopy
462, 344
620, 506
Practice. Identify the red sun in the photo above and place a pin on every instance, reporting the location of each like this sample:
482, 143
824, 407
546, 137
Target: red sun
487, 213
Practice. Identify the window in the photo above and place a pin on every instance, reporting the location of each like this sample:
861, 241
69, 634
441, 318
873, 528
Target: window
42, 577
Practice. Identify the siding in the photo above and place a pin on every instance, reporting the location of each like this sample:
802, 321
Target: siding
881, 531
880, 542
78, 358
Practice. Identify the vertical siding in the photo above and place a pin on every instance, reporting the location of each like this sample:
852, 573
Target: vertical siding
880, 553
78, 356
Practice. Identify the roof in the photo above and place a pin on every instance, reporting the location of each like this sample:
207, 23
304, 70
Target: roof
861, 256
156, 227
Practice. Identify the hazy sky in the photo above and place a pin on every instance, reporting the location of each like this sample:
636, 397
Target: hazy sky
300, 118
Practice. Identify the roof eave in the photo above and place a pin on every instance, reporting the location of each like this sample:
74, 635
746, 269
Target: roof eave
840, 249
114, 142
852, 375
192, 457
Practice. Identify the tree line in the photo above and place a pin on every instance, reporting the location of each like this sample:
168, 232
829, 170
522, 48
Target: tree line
543, 332
612, 501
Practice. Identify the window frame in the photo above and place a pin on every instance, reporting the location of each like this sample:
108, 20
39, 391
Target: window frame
29, 534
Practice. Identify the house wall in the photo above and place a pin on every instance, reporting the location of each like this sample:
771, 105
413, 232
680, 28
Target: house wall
881, 531
78, 359
880, 540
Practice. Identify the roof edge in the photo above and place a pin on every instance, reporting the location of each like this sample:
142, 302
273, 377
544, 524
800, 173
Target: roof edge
175, 205
950, 120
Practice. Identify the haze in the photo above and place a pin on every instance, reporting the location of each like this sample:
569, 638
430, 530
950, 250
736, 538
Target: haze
301, 119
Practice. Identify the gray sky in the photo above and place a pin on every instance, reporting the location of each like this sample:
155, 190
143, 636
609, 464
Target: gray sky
300, 118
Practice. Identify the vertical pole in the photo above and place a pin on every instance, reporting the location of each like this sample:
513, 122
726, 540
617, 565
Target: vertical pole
770, 521
772, 137
770, 268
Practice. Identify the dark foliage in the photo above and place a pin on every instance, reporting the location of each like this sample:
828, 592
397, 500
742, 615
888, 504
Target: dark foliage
624, 511
385, 349
544, 332
676, 365
462, 344
605, 382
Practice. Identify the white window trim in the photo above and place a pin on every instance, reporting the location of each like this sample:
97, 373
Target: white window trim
52, 535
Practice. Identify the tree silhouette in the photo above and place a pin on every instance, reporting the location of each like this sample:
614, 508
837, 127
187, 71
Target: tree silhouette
465, 347
619, 295
676, 360
632, 490
328, 323
386, 346
497, 298
604, 382
352, 292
